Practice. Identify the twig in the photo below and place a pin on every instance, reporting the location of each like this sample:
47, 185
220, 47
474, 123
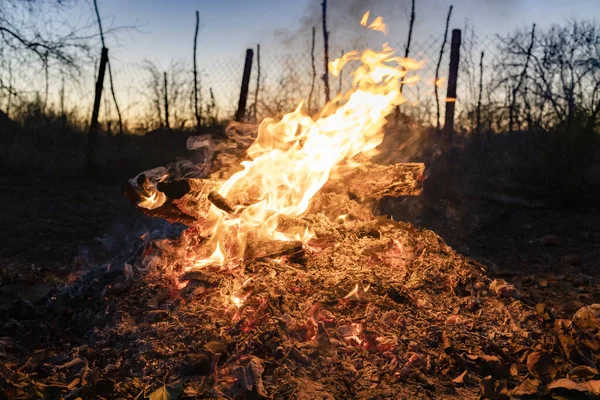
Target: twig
326, 51
110, 77
197, 111
257, 80
406, 53
314, 72
513, 103
478, 112
437, 69
166, 94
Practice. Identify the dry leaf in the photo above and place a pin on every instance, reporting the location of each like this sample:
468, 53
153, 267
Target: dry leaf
490, 365
588, 317
565, 384
582, 372
541, 365
493, 389
593, 386
529, 387
569, 348
462, 378
167, 393
504, 289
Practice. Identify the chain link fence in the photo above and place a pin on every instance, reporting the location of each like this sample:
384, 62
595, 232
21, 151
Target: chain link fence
285, 80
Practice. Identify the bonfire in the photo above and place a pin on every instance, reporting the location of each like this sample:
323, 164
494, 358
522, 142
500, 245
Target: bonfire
286, 284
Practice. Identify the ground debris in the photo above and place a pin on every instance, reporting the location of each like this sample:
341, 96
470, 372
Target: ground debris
370, 308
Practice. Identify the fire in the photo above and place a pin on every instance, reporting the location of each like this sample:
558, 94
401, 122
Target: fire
376, 25
292, 158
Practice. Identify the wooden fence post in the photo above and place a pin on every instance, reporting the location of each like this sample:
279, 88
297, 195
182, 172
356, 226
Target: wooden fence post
241, 111
166, 101
90, 159
452, 80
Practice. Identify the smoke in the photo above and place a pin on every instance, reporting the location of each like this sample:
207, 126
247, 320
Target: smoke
343, 17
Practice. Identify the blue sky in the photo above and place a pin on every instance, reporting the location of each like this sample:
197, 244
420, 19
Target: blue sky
164, 33
165, 27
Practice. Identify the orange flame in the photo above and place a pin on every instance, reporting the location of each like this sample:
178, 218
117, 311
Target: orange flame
292, 158
376, 25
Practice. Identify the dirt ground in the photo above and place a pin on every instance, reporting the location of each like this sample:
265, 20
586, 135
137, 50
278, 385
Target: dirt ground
53, 227
53, 230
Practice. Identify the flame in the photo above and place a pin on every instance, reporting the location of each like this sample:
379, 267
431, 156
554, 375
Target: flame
153, 201
439, 82
376, 25
365, 18
292, 158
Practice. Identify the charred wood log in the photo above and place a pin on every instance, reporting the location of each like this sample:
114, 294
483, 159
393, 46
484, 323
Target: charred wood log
272, 249
188, 200
374, 182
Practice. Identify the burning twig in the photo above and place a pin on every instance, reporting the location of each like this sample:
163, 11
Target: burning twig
220, 202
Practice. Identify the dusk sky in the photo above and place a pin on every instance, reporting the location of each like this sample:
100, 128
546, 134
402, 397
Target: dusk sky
165, 28
161, 31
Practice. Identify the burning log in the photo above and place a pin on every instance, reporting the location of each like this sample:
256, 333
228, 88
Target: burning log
373, 182
188, 200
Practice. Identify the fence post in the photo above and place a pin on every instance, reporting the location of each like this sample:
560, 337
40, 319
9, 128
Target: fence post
166, 101
241, 111
452, 79
90, 159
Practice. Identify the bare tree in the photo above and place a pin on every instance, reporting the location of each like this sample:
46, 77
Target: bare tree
110, 76
153, 87
521, 79
24, 38
556, 78
437, 70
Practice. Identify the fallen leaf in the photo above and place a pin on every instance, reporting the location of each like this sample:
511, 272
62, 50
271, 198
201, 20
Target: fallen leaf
493, 389
566, 384
569, 348
588, 317
461, 379
167, 393
250, 376
504, 289
490, 365
582, 372
541, 365
529, 387
593, 386
540, 309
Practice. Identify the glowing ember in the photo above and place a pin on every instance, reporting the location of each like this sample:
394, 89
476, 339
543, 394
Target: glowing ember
292, 158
